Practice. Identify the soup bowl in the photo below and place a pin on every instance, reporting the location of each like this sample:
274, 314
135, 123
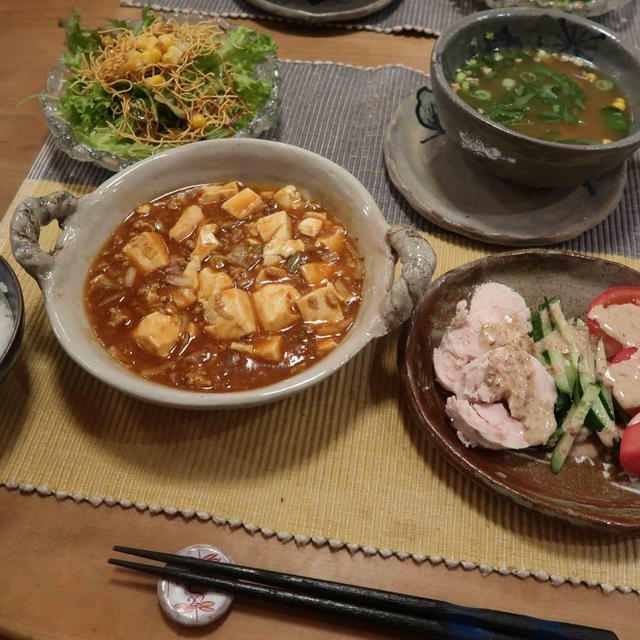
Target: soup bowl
87, 222
507, 153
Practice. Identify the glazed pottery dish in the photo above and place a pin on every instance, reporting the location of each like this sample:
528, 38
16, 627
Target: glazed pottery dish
580, 7
590, 487
325, 11
428, 169
469, 60
115, 97
11, 317
88, 222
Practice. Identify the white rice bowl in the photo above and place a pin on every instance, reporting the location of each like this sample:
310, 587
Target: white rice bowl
6, 319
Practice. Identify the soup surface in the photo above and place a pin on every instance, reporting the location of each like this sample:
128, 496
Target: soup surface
224, 287
547, 96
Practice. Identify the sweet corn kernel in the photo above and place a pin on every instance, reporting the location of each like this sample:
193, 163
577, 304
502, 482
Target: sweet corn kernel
591, 76
173, 55
151, 56
154, 80
165, 41
198, 121
145, 42
619, 103
134, 61
605, 141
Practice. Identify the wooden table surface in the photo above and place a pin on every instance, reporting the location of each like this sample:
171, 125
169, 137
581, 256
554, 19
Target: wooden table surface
54, 580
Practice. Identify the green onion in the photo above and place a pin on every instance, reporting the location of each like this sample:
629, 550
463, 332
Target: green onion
602, 84
482, 94
527, 76
293, 263
508, 83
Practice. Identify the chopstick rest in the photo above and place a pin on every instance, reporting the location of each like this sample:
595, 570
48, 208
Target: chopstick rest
196, 606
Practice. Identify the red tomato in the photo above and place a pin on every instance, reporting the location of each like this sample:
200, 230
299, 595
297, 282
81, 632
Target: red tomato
623, 354
630, 448
616, 295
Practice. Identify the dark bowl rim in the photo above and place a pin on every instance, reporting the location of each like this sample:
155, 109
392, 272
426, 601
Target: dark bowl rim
512, 12
17, 321
426, 426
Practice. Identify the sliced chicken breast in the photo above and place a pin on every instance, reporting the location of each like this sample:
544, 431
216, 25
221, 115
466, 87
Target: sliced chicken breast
496, 316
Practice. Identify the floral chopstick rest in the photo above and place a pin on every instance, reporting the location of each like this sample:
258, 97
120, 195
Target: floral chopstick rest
198, 606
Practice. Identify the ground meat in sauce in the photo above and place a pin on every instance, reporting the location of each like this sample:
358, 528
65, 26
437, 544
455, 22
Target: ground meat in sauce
224, 287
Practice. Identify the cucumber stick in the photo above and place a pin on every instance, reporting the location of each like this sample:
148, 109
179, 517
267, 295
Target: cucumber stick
572, 423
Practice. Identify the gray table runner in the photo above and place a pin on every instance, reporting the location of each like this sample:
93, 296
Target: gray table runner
347, 126
430, 17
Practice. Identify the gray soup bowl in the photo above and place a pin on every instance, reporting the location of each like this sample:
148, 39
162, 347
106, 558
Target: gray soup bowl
512, 155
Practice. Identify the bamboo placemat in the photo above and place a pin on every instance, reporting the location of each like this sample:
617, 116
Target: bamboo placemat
429, 17
340, 463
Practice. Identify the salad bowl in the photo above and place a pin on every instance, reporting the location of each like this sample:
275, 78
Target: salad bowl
88, 221
590, 490
65, 139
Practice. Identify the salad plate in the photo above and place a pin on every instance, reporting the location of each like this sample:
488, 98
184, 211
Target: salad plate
591, 489
109, 156
443, 186
321, 10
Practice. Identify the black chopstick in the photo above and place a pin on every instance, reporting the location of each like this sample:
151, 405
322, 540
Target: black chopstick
442, 614
428, 628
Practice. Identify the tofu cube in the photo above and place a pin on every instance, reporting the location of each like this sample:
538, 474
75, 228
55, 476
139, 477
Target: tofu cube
316, 272
191, 272
207, 241
213, 193
288, 197
158, 333
230, 314
147, 252
243, 204
183, 297
310, 226
210, 282
274, 306
189, 219
275, 226
269, 349
334, 241
320, 305
282, 248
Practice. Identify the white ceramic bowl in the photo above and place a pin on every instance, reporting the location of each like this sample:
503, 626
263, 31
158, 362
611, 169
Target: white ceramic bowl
86, 223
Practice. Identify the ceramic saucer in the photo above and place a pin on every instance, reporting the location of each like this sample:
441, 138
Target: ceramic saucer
453, 193
321, 10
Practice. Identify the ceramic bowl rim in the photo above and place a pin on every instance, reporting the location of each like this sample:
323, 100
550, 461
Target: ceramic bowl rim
17, 320
506, 14
364, 329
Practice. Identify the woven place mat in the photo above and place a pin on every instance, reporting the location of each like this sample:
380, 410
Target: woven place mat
430, 17
340, 463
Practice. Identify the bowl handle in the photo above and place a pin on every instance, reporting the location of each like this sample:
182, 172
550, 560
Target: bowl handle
28, 218
418, 262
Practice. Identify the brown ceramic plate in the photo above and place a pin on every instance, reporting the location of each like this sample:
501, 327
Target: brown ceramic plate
588, 492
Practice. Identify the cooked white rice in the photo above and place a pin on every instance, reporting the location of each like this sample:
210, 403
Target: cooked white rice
6, 319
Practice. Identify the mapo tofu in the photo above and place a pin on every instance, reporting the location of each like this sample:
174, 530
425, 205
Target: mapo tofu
225, 287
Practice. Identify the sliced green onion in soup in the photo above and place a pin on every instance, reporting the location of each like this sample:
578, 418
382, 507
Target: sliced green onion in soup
602, 84
528, 76
482, 94
508, 83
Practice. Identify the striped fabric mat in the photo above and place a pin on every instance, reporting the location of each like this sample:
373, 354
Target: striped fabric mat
430, 17
339, 464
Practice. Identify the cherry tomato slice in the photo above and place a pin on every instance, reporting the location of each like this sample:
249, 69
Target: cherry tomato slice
630, 448
615, 295
623, 354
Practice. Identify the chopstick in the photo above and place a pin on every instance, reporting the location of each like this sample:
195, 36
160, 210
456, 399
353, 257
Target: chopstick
412, 613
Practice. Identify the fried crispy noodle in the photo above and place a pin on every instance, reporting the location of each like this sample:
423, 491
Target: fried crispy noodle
160, 60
